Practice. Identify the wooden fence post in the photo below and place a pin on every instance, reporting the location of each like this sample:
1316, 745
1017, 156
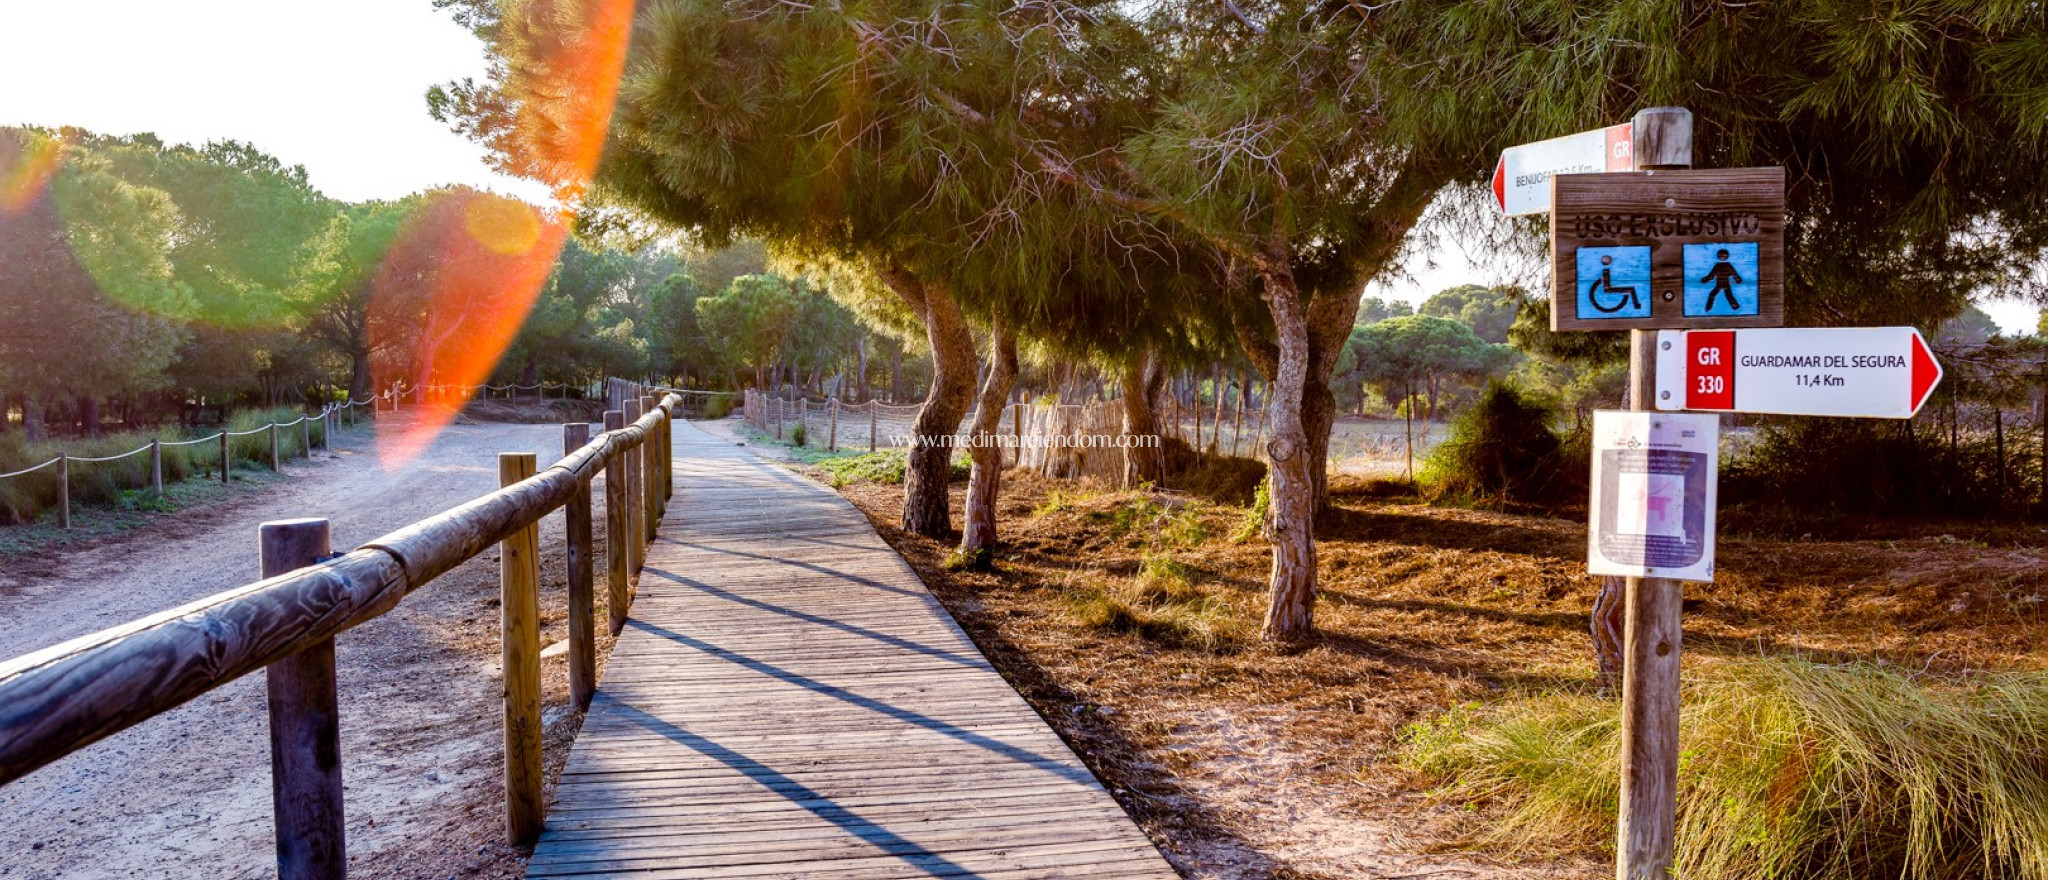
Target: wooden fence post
778, 416
305, 727
667, 457
276, 463
832, 436
582, 604
650, 471
223, 455
156, 467
519, 607
874, 420
636, 518
1016, 434
617, 559
63, 490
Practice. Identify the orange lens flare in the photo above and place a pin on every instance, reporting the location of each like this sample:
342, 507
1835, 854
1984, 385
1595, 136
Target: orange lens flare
448, 300
568, 86
26, 167
483, 258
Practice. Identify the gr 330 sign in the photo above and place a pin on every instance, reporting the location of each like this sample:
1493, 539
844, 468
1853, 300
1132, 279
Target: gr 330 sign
1668, 249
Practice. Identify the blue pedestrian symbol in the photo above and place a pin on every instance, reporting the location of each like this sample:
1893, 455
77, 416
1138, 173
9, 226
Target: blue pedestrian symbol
1614, 282
1720, 279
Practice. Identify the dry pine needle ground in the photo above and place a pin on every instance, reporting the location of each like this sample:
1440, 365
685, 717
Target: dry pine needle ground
1130, 620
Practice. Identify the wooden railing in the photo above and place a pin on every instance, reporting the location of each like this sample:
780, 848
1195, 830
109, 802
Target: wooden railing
61, 699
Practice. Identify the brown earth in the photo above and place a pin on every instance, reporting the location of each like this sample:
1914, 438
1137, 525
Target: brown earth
1245, 761
187, 794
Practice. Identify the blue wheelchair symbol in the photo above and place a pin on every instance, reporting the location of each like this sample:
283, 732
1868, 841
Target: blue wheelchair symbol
1614, 282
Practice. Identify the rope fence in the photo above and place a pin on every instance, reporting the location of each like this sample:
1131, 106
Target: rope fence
302, 445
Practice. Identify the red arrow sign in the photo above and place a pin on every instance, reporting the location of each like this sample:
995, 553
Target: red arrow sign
1869, 372
1500, 183
1521, 180
1926, 374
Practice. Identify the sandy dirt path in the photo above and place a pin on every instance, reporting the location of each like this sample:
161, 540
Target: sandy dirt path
187, 794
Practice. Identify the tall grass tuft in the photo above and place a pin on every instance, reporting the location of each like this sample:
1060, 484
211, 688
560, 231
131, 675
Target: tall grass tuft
254, 450
1790, 770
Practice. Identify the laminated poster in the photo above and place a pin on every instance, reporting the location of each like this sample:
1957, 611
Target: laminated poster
1654, 475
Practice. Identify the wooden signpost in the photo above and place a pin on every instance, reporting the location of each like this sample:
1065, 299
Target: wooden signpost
1665, 247
1661, 249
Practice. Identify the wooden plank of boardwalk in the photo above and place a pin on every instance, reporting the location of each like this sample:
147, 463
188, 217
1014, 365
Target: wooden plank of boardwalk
788, 701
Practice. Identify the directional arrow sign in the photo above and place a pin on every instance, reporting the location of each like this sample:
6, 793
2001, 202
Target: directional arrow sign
1521, 181
1868, 372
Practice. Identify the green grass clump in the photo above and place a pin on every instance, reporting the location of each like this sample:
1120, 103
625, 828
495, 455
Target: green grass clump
1167, 604
882, 466
1790, 770
798, 434
1059, 500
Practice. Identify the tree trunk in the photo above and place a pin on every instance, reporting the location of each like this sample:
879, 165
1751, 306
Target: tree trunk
896, 376
925, 504
32, 419
861, 348
985, 480
359, 374
89, 415
1408, 409
1290, 523
1140, 382
1609, 606
1216, 423
1237, 424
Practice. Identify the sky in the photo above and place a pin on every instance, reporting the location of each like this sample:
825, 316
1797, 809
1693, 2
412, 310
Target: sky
340, 89
336, 87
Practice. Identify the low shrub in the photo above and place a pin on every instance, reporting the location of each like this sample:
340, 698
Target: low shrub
1503, 452
1808, 474
717, 406
798, 434
1791, 770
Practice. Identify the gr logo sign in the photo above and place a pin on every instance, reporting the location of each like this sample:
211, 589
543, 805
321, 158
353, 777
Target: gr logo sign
1710, 382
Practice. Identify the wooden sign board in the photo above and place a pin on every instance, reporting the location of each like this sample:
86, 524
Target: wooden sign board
1646, 250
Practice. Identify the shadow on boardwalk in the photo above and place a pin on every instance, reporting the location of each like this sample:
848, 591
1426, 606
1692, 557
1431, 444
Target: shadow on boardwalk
789, 701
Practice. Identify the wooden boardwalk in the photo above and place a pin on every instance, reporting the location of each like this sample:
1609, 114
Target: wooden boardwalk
788, 701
